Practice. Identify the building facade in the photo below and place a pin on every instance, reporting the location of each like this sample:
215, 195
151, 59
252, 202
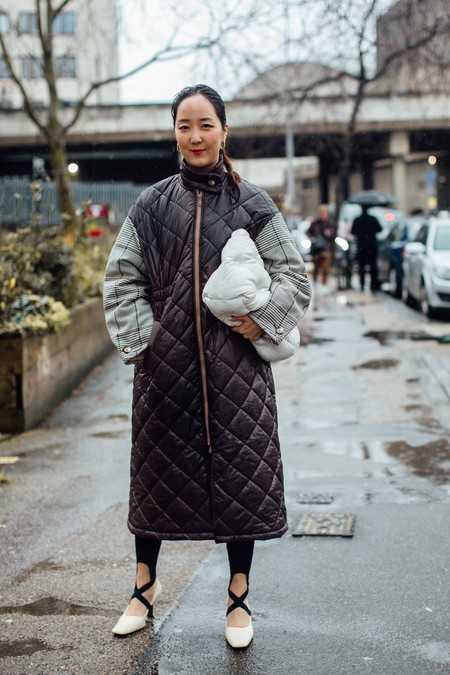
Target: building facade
401, 144
84, 46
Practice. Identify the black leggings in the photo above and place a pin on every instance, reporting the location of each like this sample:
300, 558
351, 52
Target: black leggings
240, 555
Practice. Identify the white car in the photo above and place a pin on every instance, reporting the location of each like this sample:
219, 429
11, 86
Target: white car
301, 239
426, 266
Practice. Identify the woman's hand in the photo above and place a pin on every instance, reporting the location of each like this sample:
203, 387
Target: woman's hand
248, 328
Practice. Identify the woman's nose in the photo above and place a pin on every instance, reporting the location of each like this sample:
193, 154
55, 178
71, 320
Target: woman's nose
196, 137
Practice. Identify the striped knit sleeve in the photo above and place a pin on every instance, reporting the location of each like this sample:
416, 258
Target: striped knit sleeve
290, 288
128, 314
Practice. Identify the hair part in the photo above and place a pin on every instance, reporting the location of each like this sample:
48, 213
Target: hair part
219, 106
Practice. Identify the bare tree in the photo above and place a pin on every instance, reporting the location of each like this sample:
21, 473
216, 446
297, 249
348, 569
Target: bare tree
55, 119
405, 36
354, 60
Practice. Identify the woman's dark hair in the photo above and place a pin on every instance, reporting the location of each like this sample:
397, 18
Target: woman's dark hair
219, 106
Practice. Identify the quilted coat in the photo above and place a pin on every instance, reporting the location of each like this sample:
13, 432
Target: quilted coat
205, 460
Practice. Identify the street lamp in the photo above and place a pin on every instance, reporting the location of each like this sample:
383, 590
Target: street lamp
73, 168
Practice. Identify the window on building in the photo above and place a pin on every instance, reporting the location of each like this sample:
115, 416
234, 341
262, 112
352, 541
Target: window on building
65, 66
64, 24
28, 22
4, 72
4, 23
31, 67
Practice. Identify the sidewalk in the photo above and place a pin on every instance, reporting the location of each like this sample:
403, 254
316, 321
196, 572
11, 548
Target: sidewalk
376, 603
362, 420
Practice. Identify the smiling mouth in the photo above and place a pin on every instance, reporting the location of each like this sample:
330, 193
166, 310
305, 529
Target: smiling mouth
197, 152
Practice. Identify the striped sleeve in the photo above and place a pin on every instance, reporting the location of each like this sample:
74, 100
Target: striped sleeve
290, 288
128, 313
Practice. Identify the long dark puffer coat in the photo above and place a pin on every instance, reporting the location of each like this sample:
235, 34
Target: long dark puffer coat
205, 458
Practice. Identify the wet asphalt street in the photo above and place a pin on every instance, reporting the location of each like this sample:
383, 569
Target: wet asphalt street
364, 423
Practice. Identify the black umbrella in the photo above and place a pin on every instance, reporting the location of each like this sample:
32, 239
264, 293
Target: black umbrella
372, 198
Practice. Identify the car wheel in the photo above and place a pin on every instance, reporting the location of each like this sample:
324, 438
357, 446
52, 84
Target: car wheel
425, 306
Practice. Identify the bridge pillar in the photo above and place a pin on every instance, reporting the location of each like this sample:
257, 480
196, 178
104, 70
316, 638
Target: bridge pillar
399, 149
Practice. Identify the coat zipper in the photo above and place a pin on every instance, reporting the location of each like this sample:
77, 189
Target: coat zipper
198, 318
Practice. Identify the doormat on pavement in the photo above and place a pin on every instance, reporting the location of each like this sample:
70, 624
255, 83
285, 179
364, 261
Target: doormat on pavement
314, 498
325, 525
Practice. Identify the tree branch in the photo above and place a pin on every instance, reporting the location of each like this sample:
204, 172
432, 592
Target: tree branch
436, 29
162, 55
57, 10
16, 79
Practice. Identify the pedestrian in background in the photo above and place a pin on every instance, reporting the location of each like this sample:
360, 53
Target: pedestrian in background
205, 459
322, 232
365, 229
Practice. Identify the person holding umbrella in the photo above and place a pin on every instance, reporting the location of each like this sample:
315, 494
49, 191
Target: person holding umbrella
365, 228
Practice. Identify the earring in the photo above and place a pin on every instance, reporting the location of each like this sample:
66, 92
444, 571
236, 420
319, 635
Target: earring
222, 145
178, 147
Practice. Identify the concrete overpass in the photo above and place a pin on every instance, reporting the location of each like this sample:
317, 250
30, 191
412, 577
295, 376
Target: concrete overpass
396, 133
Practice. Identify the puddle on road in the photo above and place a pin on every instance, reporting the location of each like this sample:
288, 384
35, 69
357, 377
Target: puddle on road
55, 606
317, 341
423, 415
431, 460
43, 566
109, 434
377, 364
21, 647
385, 337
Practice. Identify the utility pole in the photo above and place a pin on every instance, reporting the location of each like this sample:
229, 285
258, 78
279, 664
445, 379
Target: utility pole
289, 131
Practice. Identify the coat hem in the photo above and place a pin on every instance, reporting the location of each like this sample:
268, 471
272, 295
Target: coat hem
207, 536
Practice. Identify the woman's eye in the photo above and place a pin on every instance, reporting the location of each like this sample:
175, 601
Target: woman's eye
182, 128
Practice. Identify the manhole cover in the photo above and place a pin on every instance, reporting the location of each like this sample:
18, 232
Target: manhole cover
325, 525
314, 498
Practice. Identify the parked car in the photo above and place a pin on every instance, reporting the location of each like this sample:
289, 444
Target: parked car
391, 246
426, 266
301, 239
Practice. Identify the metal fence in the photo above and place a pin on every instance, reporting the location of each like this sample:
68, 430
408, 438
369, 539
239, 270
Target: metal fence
22, 202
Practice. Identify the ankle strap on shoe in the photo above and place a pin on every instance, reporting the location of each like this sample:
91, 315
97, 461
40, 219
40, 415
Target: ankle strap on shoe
238, 601
138, 594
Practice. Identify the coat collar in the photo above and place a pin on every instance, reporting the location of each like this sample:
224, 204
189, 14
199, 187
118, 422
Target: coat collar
208, 182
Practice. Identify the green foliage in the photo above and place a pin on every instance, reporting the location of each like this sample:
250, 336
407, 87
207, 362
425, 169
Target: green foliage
41, 276
35, 315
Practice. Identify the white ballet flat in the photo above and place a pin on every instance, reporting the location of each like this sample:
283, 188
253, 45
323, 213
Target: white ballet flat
130, 623
239, 638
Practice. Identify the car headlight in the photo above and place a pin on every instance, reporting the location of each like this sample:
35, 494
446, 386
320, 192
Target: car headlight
442, 271
342, 243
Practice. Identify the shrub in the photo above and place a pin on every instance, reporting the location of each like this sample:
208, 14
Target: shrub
35, 315
40, 277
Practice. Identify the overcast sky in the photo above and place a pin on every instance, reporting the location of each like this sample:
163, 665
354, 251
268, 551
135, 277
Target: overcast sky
145, 26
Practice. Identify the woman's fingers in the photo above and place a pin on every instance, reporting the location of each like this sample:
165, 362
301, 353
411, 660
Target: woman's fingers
247, 328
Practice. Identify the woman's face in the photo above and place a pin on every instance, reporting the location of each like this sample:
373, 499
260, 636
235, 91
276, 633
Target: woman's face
199, 132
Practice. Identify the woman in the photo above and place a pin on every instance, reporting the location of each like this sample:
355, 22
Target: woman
205, 460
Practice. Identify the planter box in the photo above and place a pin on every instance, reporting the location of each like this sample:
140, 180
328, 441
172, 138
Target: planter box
37, 372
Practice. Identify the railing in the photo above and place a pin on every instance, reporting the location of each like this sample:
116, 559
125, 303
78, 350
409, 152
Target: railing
24, 202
